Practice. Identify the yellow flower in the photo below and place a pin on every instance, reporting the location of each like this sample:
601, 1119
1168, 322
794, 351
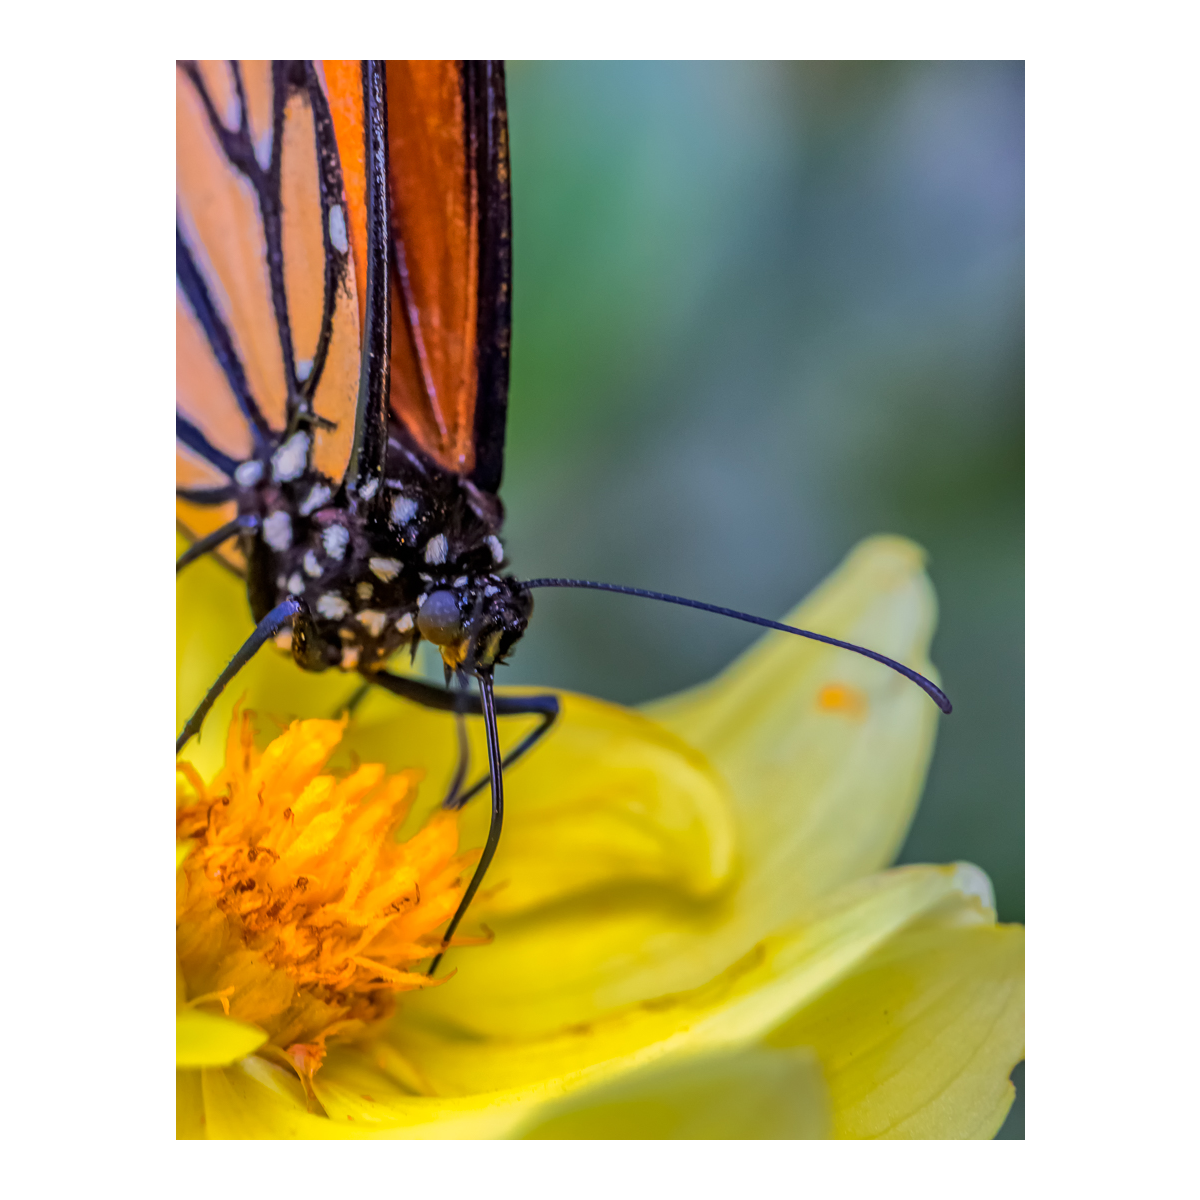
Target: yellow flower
297, 909
693, 932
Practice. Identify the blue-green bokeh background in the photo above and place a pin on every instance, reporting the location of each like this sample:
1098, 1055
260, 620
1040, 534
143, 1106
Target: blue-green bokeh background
760, 311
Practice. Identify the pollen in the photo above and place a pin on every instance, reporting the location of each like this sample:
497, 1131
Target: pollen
844, 699
455, 654
297, 905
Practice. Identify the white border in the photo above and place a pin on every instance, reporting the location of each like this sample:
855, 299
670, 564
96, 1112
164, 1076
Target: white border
87, 598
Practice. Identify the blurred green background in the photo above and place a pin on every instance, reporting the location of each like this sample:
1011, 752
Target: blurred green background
763, 310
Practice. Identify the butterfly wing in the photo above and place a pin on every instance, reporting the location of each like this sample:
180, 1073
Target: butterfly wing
273, 248
449, 249
267, 322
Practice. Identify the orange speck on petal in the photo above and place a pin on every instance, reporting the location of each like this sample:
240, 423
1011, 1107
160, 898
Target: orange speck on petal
844, 699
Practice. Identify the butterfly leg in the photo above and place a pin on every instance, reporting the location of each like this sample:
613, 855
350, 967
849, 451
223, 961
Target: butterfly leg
242, 524
351, 706
546, 707
464, 762
290, 612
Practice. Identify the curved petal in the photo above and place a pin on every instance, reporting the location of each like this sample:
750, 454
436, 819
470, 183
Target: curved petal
204, 1039
255, 1099
608, 798
360, 1088
750, 1093
456, 1055
825, 751
920, 1039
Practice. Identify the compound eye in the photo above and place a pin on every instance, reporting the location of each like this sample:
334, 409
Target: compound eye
439, 619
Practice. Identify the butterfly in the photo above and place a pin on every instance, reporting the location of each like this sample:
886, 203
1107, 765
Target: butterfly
343, 320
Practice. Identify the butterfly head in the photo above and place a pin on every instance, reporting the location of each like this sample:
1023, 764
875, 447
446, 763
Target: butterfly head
475, 624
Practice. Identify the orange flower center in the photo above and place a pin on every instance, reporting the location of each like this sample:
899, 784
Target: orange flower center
297, 908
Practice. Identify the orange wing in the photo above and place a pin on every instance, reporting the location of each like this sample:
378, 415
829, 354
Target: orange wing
267, 325
273, 246
449, 259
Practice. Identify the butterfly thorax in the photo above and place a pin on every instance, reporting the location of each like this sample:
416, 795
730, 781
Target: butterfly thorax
366, 563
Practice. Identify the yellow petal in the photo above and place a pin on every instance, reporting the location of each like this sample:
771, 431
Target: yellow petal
255, 1099
920, 1039
459, 1051
182, 850
610, 806
204, 1039
360, 1091
750, 1093
189, 1107
825, 751
609, 798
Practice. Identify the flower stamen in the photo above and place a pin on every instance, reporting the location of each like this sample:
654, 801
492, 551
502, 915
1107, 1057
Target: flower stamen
298, 909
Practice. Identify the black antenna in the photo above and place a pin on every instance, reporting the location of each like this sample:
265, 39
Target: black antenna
930, 688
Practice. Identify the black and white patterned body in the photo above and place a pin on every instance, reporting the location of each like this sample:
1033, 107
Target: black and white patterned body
364, 565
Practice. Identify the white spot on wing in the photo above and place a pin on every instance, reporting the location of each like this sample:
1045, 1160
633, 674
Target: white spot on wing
435, 549
333, 606
405, 623
404, 508
233, 104
349, 658
304, 369
262, 150
461, 581
372, 621
335, 539
364, 590
311, 566
289, 461
248, 473
384, 568
277, 531
296, 583
337, 229
493, 544
369, 489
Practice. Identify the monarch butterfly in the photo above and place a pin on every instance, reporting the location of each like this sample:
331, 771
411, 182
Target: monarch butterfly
343, 302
